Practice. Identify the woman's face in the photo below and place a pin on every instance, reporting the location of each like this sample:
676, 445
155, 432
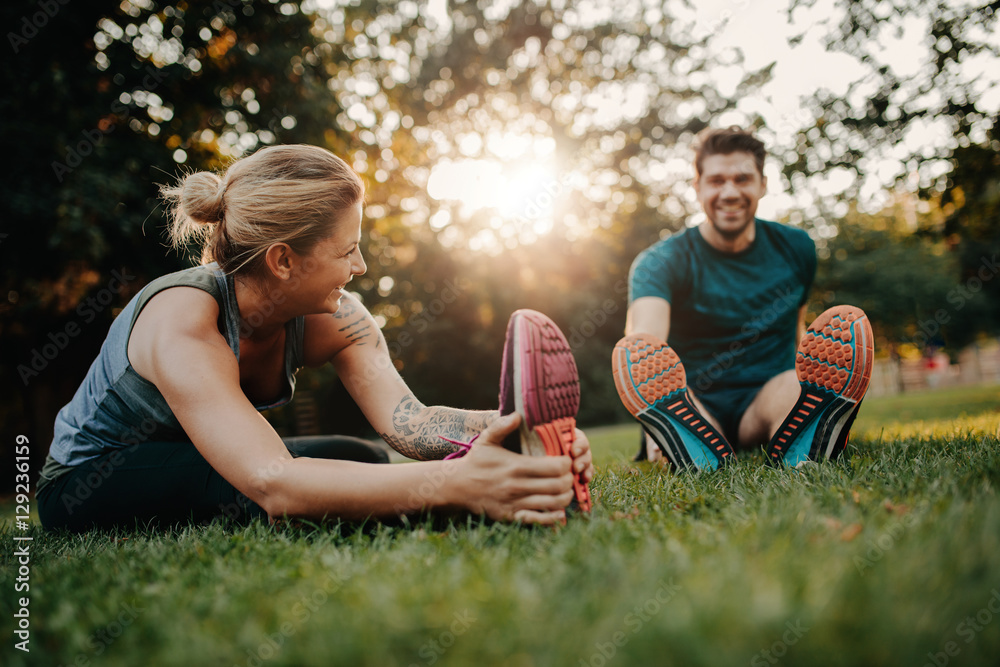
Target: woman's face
332, 263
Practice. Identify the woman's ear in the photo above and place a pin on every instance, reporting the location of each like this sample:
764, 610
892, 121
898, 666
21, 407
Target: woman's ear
279, 258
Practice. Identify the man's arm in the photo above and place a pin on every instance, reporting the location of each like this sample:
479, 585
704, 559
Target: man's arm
650, 315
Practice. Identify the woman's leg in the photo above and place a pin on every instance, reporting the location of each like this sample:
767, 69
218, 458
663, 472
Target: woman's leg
341, 447
167, 483
161, 483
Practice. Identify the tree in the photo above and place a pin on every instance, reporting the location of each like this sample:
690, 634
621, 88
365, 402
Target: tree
916, 117
971, 205
906, 280
112, 100
925, 127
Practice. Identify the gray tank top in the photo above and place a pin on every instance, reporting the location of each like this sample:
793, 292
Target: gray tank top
115, 408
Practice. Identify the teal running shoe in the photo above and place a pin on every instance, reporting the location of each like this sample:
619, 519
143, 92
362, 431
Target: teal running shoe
834, 366
652, 384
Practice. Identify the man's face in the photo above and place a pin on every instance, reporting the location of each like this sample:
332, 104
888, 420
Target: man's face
729, 188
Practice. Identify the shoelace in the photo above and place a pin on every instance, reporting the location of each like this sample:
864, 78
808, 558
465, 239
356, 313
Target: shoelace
464, 447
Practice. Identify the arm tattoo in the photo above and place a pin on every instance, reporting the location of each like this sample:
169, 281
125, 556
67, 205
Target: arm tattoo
356, 327
417, 427
357, 331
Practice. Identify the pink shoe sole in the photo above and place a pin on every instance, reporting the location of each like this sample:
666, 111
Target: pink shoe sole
539, 380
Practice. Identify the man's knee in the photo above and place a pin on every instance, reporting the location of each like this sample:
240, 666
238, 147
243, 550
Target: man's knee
779, 385
787, 379
770, 406
777, 395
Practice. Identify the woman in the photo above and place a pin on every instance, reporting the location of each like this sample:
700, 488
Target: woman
166, 428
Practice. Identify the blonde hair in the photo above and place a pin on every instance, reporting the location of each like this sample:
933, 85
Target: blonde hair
281, 194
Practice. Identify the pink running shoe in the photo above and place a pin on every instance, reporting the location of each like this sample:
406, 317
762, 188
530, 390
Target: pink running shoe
539, 380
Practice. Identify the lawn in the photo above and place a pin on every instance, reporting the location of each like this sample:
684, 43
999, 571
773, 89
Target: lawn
890, 556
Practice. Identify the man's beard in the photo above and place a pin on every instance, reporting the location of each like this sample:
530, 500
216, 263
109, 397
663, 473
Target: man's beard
730, 233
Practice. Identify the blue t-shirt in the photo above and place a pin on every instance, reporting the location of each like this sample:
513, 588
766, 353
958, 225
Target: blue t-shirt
733, 316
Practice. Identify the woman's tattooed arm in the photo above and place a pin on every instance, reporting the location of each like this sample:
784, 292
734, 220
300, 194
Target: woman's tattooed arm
417, 428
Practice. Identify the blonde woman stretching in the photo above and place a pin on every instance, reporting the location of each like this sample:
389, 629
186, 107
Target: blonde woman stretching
165, 428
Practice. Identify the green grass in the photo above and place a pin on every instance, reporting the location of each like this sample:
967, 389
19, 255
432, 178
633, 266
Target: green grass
912, 410
877, 559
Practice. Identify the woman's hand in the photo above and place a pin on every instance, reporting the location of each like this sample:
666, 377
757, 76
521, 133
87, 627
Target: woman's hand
513, 487
582, 457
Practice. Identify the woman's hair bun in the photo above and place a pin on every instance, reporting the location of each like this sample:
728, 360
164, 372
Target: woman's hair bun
203, 197
292, 194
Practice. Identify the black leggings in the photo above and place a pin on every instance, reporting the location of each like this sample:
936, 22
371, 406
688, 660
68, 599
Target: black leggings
168, 483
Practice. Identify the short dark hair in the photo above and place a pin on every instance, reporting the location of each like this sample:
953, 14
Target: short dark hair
724, 141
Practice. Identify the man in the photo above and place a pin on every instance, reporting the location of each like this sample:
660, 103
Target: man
730, 298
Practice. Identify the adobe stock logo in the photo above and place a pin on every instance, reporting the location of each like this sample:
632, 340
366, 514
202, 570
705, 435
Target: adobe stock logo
635, 620
967, 629
31, 25
59, 340
773, 654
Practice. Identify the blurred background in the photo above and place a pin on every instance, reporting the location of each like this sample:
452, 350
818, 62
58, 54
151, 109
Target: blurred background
516, 154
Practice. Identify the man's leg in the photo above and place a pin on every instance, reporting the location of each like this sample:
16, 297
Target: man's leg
769, 408
653, 452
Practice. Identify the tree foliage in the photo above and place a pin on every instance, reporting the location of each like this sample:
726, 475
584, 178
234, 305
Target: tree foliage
121, 98
907, 116
908, 281
971, 205
931, 128
609, 100
110, 102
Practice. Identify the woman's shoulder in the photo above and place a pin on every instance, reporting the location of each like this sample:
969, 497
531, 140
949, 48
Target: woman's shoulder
181, 298
183, 312
327, 335
181, 306
205, 277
